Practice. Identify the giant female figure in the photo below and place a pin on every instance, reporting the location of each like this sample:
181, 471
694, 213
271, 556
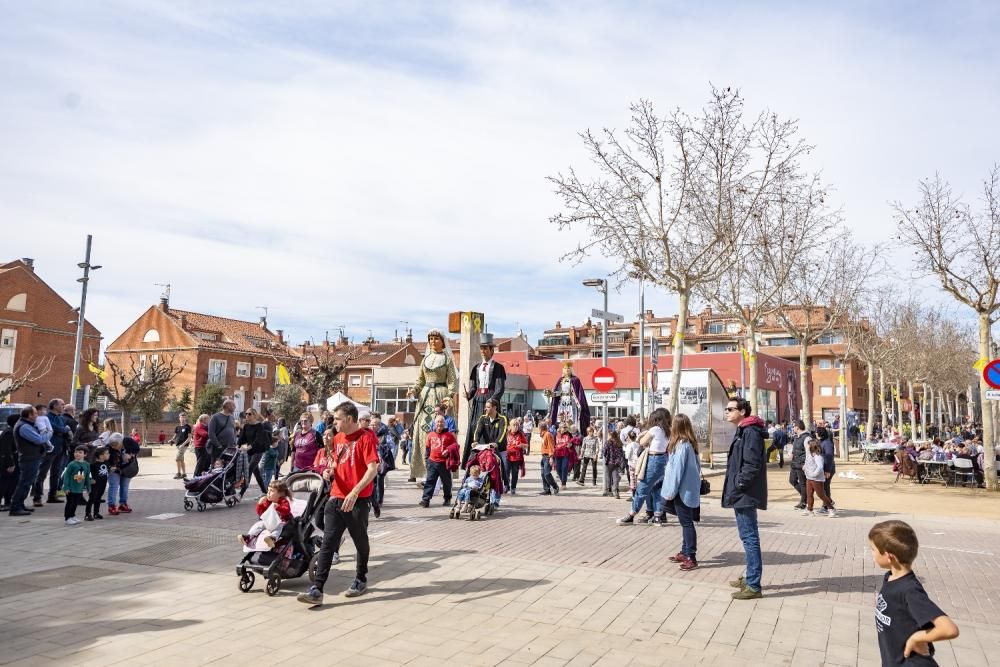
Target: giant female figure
436, 382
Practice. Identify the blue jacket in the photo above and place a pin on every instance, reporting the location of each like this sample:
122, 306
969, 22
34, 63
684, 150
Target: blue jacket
746, 475
683, 476
449, 424
829, 462
59, 436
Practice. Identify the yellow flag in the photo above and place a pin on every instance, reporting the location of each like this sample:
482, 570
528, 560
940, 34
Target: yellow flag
78, 385
283, 377
842, 379
981, 364
99, 372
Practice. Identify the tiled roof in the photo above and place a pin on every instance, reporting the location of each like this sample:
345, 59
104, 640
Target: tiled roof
231, 335
375, 355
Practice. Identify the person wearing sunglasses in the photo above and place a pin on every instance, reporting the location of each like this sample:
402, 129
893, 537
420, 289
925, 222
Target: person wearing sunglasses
745, 490
305, 444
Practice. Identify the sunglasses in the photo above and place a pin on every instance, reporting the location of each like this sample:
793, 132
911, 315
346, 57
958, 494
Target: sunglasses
731, 409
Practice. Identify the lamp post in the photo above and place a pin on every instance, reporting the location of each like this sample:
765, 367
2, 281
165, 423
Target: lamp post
87, 268
601, 285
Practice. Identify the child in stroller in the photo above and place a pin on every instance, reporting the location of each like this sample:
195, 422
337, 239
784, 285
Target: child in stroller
487, 498
274, 511
468, 495
219, 484
294, 551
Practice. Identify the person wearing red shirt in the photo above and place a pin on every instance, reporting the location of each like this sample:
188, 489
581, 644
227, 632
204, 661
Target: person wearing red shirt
203, 461
564, 450
351, 473
517, 444
442, 459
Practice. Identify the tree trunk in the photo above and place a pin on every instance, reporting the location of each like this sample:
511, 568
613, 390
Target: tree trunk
675, 376
989, 459
804, 385
947, 405
940, 413
870, 424
923, 413
845, 446
913, 402
752, 363
972, 404
881, 399
899, 407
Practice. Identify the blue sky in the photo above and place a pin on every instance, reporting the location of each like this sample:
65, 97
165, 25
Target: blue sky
364, 163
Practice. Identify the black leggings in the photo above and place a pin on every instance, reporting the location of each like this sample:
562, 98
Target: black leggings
73, 500
591, 462
96, 496
335, 522
203, 460
515, 470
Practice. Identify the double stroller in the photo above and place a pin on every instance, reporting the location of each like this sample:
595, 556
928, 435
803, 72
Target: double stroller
484, 500
297, 548
217, 486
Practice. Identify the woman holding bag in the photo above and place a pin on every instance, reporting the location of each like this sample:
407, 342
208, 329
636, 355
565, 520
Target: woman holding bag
682, 484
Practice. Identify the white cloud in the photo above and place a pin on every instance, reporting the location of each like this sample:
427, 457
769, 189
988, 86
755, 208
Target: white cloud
345, 167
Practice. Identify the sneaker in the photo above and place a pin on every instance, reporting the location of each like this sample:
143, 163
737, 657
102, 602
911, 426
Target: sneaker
821, 510
178, 476
656, 521
124, 508
747, 594
37, 503
800, 506
806, 512
513, 492
88, 518
626, 520
377, 510
689, 564
605, 494
447, 502
54, 500
739, 583
579, 483
677, 558
555, 490
335, 559
644, 519
832, 513
357, 588
20, 513
313, 596
818, 512
269, 541
424, 503
663, 518
617, 497
72, 521
412, 479
113, 510
98, 517
60, 494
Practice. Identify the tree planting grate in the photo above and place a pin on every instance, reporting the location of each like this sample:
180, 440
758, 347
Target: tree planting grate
160, 552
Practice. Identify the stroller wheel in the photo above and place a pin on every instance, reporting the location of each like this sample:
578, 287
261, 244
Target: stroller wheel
273, 585
313, 564
201, 507
246, 581
230, 502
188, 505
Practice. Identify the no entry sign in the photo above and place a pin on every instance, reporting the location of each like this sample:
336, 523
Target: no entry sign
991, 373
604, 379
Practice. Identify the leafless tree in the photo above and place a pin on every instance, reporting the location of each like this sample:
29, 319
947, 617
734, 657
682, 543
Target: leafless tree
32, 370
673, 196
960, 246
823, 289
793, 216
869, 331
135, 386
319, 371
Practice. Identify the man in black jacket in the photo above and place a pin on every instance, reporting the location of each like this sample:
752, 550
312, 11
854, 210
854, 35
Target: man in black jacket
31, 449
778, 441
796, 476
745, 490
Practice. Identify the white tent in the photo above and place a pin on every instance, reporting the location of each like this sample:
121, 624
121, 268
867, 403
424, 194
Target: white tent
340, 397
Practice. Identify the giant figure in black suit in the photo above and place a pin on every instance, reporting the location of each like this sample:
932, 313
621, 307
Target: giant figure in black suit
487, 380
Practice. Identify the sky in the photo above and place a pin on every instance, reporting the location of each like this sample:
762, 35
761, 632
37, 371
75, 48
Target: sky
375, 166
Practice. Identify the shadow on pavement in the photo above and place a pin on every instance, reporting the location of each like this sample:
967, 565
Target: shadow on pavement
850, 584
770, 558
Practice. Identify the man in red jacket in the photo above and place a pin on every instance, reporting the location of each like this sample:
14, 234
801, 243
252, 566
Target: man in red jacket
443, 458
351, 474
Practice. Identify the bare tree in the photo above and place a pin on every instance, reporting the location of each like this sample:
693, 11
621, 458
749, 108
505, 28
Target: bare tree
32, 370
822, 291
673, 195
748, 290
319, 371
137, 387
961, 248
868, 331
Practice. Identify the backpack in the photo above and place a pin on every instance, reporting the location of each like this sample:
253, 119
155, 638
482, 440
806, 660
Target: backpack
809, 466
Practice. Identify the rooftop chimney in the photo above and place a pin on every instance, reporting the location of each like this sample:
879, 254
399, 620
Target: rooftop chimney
281, 335
184, 321
29, 262
409, 335
164, 304
263, 322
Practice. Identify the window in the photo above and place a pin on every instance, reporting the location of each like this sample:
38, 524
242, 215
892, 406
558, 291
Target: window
142, 366
391, 400
216, 371
826, 391
825, 364
206, 336
553, 341
368, 380
154, 360
733, 327
354, 381
242, 369
719, 347
260, 371
840, 390
152, 336
8, 343
18, 302
665, 331
861, 392
830, 339
778, 342
716, 327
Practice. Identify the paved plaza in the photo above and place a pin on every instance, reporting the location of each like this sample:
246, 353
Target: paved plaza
547, 581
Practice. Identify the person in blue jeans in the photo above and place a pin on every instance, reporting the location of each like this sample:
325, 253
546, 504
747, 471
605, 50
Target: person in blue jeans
682, 488
31, 450
745, 490
652, 465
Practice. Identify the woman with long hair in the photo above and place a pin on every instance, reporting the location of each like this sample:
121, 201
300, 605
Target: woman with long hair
682, 488
649, 472
614, 462
87, 431
305, 442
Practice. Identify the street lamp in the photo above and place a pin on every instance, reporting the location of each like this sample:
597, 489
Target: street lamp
87, 268
601, 285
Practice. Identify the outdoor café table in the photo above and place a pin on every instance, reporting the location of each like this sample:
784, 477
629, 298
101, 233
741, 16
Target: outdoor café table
882, 451
935, 470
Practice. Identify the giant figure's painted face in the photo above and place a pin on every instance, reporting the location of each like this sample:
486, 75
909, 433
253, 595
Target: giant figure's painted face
436, 343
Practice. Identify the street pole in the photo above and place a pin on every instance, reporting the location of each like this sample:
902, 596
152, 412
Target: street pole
80, 319
642, 355
604, 359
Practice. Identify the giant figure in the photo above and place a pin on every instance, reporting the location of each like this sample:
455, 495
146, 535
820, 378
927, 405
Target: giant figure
487, 380
569, 402
436, 382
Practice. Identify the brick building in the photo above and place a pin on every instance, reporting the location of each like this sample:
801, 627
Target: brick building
38, 324
716, 333
240, 356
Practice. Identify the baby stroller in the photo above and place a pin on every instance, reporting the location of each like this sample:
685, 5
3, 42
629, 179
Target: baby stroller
295, 551
480, 502
219, 486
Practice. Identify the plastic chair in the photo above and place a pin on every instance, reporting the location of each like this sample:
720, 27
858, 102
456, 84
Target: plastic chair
963, 468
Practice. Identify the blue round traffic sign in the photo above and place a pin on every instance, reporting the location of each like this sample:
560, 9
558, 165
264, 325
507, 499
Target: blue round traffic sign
991, 373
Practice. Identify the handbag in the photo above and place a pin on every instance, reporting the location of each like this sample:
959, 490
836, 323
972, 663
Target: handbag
130, 469
706, 486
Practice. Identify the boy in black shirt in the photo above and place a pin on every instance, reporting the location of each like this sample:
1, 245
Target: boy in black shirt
99, 477
906, 619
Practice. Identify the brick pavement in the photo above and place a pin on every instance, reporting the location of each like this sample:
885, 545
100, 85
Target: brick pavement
552, 578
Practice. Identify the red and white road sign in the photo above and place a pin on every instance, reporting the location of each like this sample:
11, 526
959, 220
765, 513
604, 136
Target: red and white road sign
604, 379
